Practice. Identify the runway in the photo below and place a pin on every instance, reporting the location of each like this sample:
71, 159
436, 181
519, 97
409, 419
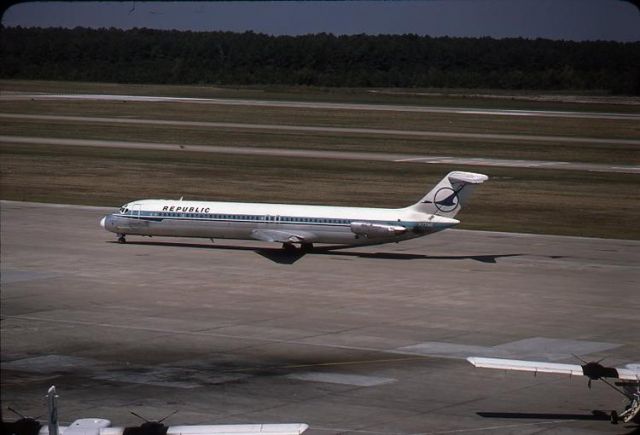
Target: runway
322, 129
363, 341
322, 154
322, 105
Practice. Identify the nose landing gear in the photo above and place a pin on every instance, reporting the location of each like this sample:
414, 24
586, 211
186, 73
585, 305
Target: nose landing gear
121, 238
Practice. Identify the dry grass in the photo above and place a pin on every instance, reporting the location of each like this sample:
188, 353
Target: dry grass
537, 201
429, 97
462, 147
523, 200
447, 122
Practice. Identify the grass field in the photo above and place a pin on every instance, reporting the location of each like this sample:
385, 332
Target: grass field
535, 201
521, 200
482, 98
510, 148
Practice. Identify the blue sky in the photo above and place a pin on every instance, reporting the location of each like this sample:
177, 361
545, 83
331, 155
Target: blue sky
554, 19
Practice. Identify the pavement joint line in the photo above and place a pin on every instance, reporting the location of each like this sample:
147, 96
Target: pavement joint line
496, 427
476, 429
194, 333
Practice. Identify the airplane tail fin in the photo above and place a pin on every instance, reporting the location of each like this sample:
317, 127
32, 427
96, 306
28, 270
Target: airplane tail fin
52, 403
448, 196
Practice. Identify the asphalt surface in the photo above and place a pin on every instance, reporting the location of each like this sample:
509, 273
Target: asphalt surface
9, 96
324, 154
368, 340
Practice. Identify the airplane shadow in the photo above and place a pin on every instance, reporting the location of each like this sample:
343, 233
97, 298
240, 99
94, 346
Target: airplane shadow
281, 256
594, 416
290, 257
402, 256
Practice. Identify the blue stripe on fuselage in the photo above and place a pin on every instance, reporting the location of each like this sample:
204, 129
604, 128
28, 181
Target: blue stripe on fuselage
295, 220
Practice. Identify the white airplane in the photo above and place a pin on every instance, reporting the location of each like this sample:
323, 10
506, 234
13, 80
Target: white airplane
296, 224
100, 426
629, 378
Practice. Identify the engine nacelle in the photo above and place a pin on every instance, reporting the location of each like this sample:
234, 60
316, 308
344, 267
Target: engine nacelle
367, 229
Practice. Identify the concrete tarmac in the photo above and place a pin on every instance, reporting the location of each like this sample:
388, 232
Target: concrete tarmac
364, 341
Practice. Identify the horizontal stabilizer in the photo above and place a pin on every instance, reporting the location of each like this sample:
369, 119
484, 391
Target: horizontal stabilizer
466, 177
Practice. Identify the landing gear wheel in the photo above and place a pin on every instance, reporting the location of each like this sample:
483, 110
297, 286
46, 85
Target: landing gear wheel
121, 238
306, 247
614, 417
288, 247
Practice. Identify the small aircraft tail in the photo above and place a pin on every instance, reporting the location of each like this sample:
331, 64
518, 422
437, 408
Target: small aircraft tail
53, 410
448, 196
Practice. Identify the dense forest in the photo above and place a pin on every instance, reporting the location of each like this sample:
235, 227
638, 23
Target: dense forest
154, 56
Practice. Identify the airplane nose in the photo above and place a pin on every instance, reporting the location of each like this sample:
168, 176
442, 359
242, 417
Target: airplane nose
102, 222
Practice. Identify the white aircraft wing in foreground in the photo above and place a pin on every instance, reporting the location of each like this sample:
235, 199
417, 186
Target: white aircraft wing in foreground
222, 429
100, 426
592, 370
628, 375
239, 429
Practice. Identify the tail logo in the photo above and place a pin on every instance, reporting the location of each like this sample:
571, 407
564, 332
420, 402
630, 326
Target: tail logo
446, 200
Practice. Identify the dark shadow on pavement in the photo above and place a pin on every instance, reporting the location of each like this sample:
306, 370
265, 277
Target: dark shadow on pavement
594, 416
281, 256
402, 256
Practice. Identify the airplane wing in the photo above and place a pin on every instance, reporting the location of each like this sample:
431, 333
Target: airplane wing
526, 366
239, 429
83, 426
283, 236
592, 370
224, 429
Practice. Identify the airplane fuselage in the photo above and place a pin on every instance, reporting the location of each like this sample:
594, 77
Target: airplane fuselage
305, 224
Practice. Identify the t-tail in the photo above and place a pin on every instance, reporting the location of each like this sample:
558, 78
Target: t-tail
52, 402
449, 195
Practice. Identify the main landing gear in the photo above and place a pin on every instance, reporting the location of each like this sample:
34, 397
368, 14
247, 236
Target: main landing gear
288, 247
121, 238
304, 247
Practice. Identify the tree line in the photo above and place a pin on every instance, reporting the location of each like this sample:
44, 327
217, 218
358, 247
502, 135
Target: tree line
228, 58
